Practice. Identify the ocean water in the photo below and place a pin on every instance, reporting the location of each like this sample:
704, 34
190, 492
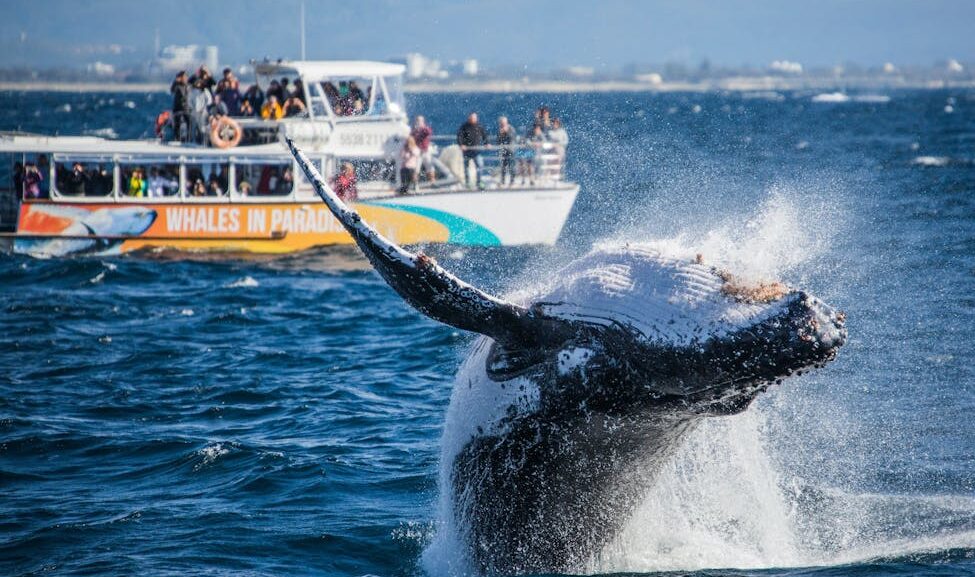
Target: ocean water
190, 415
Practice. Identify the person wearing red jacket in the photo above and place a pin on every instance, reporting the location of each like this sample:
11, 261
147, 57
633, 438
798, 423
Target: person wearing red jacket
344, 184
423, 135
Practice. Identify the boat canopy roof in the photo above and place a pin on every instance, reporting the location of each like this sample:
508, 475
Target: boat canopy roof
321, 70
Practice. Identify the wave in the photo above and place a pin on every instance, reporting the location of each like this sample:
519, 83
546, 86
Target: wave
941, 161
723, 502
769, 95
931, 161
244, 282
841, 97
872, 98
209, 454
101, 275
831, 97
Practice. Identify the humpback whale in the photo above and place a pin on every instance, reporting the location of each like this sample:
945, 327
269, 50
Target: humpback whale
572, 398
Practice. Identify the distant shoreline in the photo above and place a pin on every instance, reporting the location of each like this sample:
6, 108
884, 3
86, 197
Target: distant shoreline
739, 84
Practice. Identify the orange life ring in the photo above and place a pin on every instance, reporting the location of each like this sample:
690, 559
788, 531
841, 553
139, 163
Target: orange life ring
161, 121
225, 132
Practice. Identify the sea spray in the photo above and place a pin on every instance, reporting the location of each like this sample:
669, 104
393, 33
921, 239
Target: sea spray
716, 503
720, 501
692, 517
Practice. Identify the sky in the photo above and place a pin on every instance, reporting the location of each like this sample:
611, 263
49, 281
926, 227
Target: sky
539, 34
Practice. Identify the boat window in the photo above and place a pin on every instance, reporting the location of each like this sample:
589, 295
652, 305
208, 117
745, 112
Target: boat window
148, 179
33, 177
264, 178
395, 101
84, 177
351, 96
206, 179
320, 102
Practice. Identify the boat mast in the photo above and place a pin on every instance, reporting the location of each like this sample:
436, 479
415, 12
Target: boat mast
302, 29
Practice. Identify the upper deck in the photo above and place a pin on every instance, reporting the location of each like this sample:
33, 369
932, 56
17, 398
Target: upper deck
347, 108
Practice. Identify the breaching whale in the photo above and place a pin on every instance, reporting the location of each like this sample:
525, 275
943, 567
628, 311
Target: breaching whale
570, 401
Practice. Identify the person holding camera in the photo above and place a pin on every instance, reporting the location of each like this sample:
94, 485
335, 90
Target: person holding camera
78, 180
32, 181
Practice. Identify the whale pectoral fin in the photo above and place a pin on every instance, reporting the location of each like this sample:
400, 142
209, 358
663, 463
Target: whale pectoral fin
420, 280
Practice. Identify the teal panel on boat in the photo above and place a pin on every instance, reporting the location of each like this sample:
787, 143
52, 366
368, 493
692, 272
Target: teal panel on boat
461, 230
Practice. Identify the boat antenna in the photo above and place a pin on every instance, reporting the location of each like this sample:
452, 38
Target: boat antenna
302, 29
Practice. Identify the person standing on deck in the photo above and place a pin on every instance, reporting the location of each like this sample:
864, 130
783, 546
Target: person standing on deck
229, 91
471, 137
560, 139
423, 134
409, 162
507, 138
180, 90
204, 82
344, 184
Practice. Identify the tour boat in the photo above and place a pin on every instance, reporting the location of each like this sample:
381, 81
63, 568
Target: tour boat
237, 187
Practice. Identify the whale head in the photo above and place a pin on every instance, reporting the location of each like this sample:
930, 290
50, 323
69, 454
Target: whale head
574, 396
638, 326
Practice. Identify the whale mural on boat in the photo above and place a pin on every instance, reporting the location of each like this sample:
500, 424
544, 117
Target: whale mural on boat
571, 400
108, 227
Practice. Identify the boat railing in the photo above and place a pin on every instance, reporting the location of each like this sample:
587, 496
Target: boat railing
256, 130
532, 162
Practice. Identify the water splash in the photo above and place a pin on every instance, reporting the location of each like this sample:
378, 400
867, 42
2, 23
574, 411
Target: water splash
243, 282
726, 498
717, 503
723, 502
784, 231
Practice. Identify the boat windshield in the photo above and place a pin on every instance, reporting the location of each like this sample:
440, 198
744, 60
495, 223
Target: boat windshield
337, 95
395, 101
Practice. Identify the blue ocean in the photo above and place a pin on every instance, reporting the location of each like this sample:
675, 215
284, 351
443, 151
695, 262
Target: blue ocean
167, 414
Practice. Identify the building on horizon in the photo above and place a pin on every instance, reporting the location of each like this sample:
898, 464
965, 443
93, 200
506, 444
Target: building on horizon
419, 67
173, 58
